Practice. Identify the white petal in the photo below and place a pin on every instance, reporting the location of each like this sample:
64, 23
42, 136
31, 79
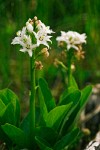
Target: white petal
34, 46
22, 50
23, 31
29, 27
16, 40
68, 46
75, 47
46, 44
30, 53
35, 34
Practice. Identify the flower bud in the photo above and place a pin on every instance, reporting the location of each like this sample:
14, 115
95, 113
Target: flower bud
45, 52
86, 131
80, 54
73, 67
38, 65
35, 18
18, 33
37, 22
29, 25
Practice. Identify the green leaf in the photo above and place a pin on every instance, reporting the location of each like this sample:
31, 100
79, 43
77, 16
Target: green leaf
66, 140
77, 109
67, 91
43, 108
70, 122
72, 97
85, 95
42, 144
25, 124
16, 135
2, 106
76, 113
47, 134
7, 96
49, 100
7, 114
4, 137
56, 115
73, 82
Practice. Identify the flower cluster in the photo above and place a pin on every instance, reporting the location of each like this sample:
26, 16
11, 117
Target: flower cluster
72, 39
34, 34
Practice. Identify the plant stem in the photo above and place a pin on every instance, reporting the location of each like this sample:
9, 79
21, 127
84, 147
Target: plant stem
69, 67
32, 98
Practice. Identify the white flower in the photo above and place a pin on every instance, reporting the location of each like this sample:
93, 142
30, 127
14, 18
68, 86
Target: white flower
25, 41
72, 39
43, 34
28, 46
29, 26
29, 49
20, 37
29, 33
42, 38
62, 37
46, 29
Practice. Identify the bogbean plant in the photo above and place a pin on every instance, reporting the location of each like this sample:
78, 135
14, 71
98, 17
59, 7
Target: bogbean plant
51, 125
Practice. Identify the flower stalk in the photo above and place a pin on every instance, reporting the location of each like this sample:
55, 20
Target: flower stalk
32, 96
69, 62
33, 35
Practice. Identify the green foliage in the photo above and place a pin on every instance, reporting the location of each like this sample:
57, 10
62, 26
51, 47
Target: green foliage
10, 111
77, 108
48, 134
7, 115
58, 130
56, 115
25, 124
67, 140
16, 135
42, 144
85, 94
72, 97
49, 100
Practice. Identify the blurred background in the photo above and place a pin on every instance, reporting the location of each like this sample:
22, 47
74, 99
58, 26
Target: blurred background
76, 15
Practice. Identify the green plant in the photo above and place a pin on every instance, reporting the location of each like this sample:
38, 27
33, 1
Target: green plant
48, 125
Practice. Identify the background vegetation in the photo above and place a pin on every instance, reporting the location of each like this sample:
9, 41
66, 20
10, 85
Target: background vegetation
77, 15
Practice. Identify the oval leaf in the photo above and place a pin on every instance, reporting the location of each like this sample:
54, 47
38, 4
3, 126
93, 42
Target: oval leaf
42, 144
16, 135
7, 114
85, 95
66, 140
49, 100
47, 134
7, 96
72, 97
56, 115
